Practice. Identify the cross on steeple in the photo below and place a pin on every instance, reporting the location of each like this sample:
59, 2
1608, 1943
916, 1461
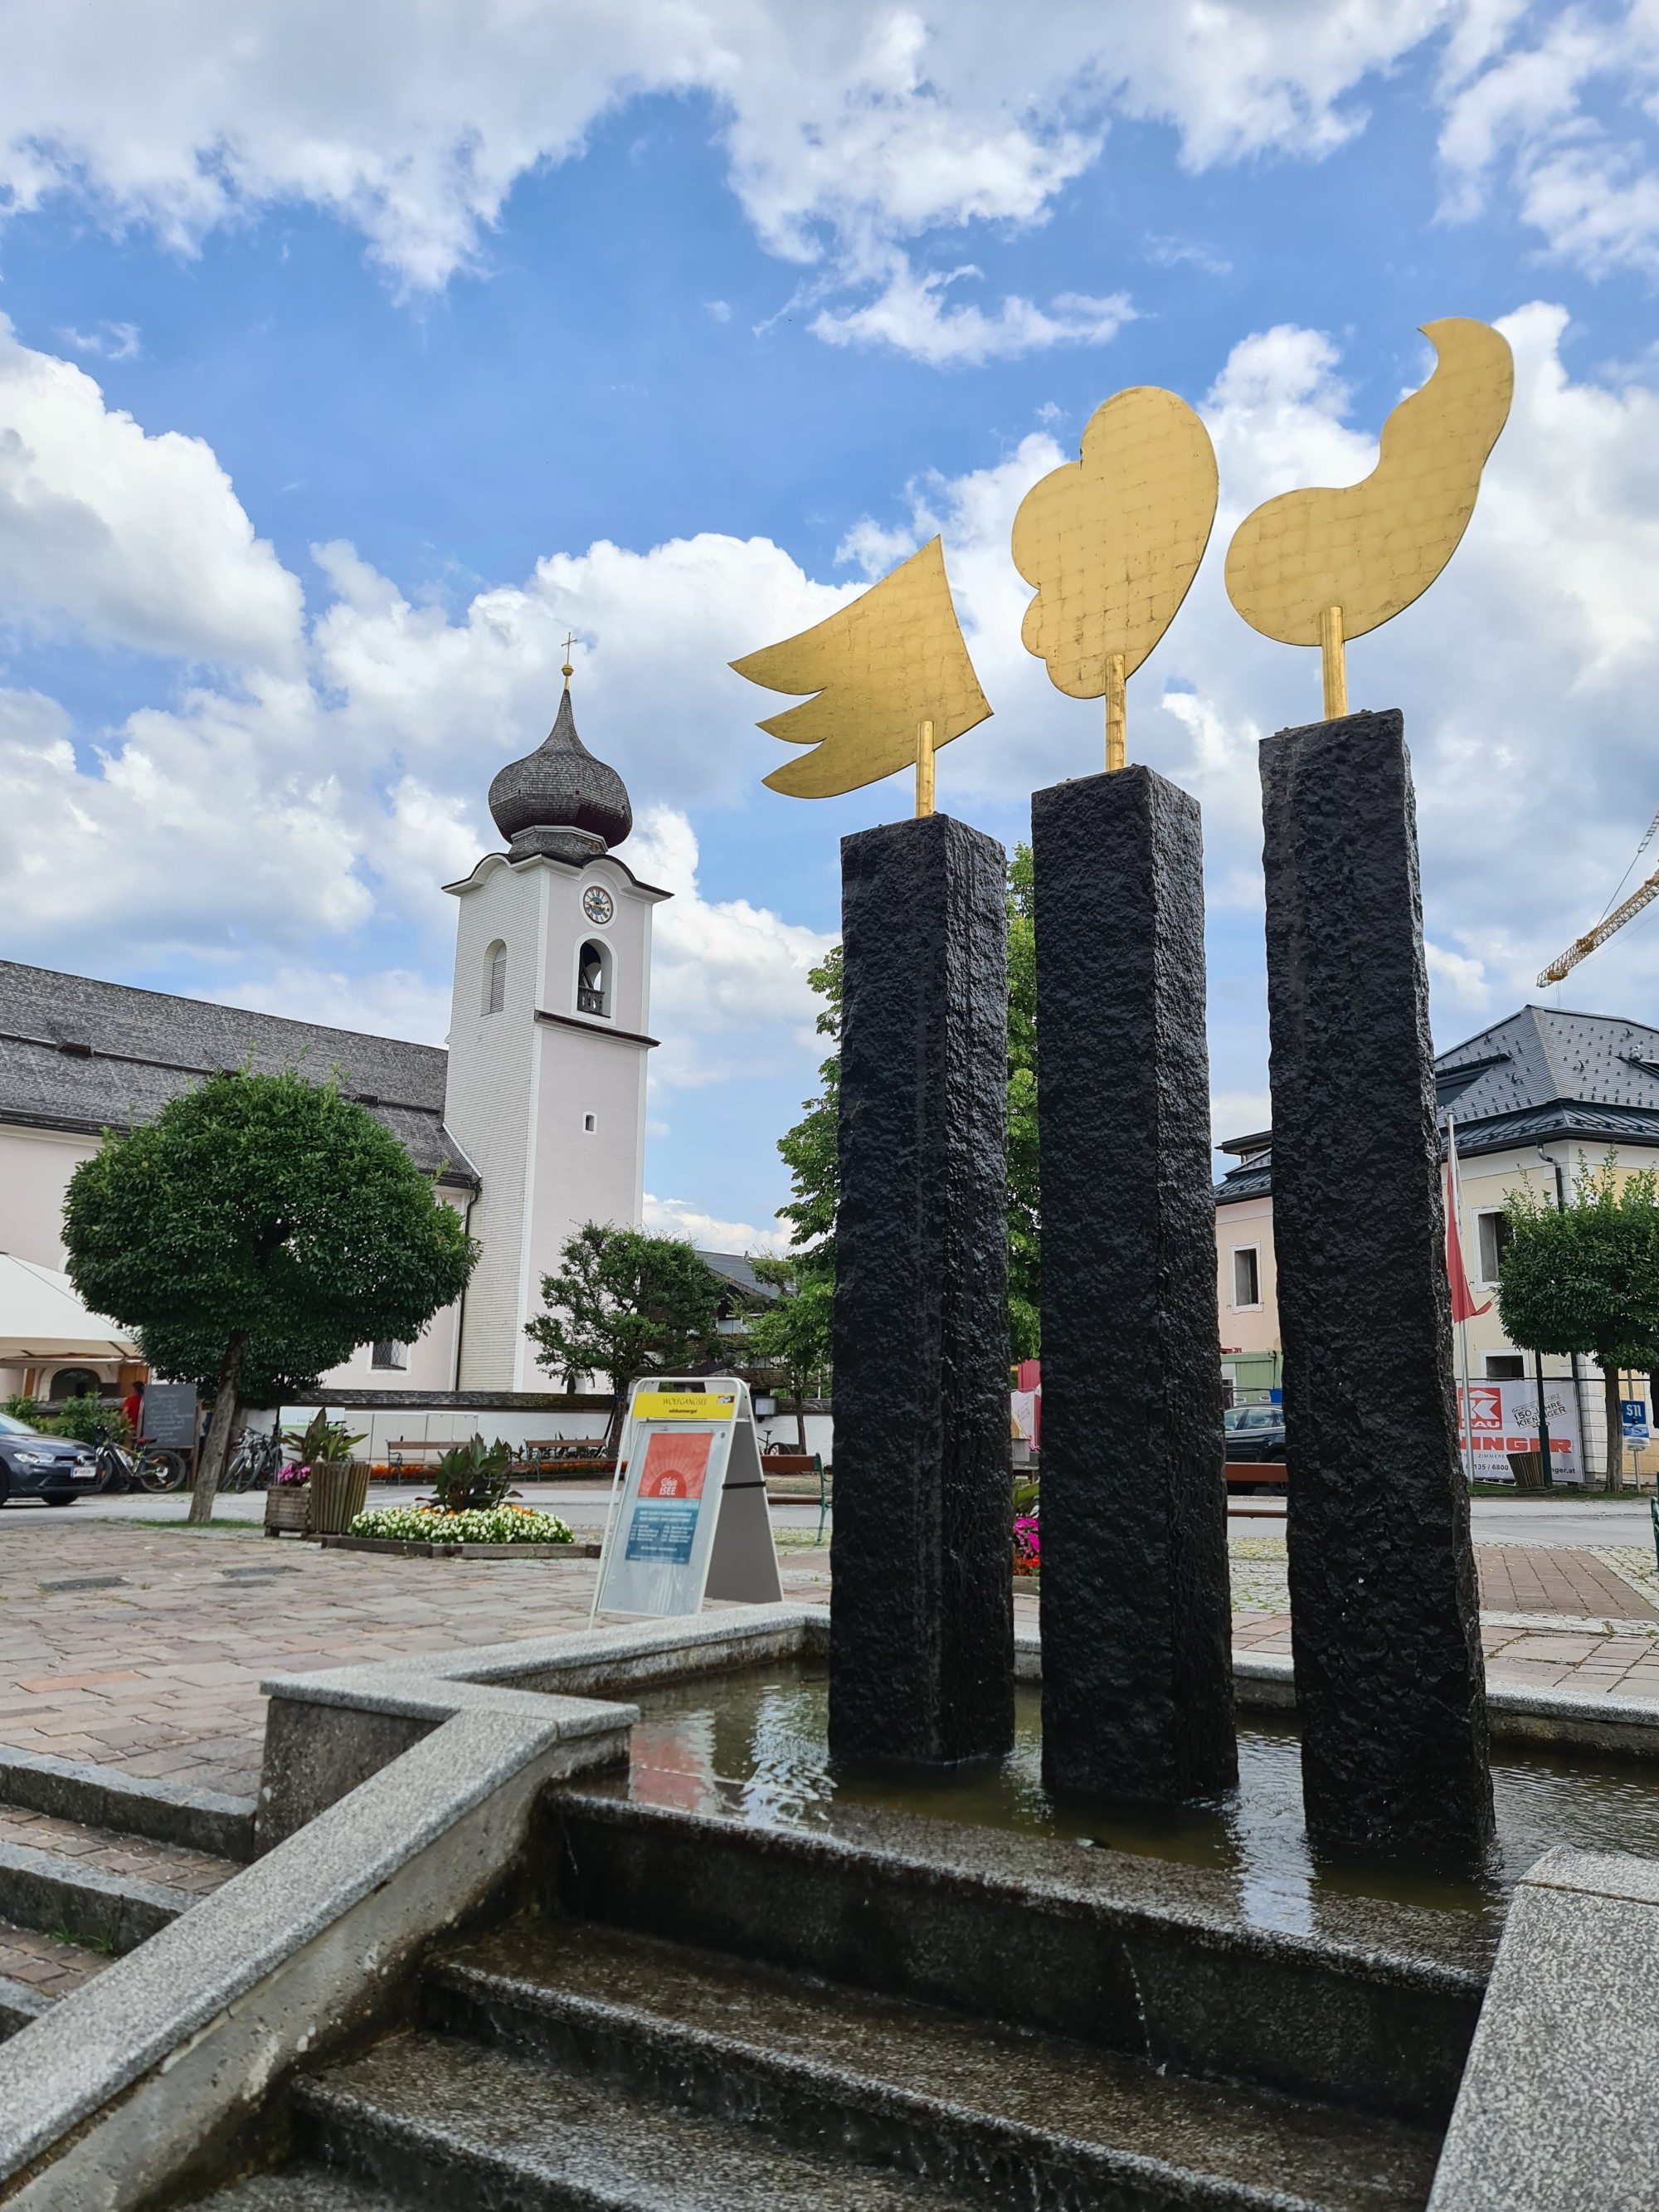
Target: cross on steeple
570, 639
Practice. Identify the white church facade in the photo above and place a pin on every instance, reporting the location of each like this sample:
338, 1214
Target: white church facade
532, 1119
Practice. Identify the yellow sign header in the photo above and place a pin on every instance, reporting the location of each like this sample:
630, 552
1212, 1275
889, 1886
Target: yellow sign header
683, 1406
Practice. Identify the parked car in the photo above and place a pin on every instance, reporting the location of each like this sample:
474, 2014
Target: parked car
1256, 1432
55, 1469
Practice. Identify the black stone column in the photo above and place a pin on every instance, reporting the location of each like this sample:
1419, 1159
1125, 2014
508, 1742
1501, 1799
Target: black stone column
1137, 1675
921, 1656
1385, 1627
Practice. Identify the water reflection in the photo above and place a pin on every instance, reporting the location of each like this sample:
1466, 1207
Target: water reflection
753, 1747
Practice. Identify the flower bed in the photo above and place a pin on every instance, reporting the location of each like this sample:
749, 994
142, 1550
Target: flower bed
1028, 1545
429, 1524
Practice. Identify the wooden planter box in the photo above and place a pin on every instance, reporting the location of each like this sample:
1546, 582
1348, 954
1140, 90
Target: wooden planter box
287, 1509
337, 1495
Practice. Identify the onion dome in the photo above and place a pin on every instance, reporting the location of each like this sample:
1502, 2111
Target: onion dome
559, 801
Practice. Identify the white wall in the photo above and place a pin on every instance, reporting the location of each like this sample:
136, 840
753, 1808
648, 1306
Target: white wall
36, 1166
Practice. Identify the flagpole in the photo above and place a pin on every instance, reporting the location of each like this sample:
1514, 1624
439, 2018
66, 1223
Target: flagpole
1455, 1193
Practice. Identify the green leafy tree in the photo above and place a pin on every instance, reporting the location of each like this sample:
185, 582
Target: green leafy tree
1584, 1277
261, 1226
623, 1305
809, 1149
791, 1334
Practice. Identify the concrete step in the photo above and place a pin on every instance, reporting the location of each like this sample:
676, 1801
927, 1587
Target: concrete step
442, 2123
100, 1887
1005, 2118
1372, 2009
300, 2189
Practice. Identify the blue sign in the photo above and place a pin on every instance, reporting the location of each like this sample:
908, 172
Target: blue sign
662, 1533
1633, 1420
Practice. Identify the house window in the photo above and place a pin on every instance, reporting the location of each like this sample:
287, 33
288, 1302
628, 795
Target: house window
590, 1122
75, 1382
594, 979
1505, 1367
1247, 1277
495, 978
1493, 1229
389, 1354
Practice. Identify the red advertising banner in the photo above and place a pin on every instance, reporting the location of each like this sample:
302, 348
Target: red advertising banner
675, 1466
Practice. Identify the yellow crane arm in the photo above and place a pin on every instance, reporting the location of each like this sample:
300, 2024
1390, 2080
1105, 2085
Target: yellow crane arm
1644, 895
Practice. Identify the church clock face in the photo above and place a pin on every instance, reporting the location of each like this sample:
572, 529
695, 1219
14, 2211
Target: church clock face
596, 905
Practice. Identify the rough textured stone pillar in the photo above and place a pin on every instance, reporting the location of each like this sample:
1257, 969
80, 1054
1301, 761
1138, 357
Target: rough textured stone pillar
922, 1658
1389, 1682
1137, 1675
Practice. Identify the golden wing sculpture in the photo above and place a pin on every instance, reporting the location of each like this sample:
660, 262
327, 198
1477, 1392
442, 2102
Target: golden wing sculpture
1318, 566
1111, 541
893, 682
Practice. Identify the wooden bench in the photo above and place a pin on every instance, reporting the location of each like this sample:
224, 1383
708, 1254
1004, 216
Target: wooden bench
1243, 1473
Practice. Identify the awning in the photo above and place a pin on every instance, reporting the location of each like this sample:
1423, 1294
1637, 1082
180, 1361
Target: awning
41, 1318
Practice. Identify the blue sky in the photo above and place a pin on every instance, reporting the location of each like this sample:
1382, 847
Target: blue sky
349, 360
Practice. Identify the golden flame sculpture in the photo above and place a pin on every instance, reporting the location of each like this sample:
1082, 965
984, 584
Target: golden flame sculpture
1320, 567
893, 682
1111, 541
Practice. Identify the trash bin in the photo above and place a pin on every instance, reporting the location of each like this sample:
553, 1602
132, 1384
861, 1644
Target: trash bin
1527, 1469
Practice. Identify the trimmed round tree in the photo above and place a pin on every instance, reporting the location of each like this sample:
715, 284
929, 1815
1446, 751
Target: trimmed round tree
256, 1233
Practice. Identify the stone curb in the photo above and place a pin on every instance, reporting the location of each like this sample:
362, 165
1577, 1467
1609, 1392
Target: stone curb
104, 1797
19, 2005
38, 1889
1515, 1714
408, 1548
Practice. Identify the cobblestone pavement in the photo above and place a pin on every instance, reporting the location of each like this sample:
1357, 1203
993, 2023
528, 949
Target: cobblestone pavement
143, 1648
46, 1964
134, 1857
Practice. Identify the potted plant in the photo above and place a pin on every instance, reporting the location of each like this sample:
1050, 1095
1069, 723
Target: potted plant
287, 1501
340, 1480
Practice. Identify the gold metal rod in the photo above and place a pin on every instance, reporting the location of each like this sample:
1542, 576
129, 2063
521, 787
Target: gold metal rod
1117, 713
1333, 662
924, 769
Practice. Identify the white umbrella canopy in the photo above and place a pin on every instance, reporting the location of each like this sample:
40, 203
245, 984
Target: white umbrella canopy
41, 1318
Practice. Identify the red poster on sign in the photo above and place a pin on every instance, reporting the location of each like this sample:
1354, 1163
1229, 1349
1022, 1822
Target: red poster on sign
675, 1466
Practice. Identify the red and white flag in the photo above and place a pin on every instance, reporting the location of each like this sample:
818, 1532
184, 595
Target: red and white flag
1463, 1306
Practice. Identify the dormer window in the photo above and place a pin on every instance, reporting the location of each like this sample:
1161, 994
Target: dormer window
495, 978
594, 980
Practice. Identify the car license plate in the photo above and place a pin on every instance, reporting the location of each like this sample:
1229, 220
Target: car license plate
83, 1474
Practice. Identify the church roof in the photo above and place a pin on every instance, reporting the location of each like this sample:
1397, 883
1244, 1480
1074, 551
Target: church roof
560, 800
1539, 1074
84, 1056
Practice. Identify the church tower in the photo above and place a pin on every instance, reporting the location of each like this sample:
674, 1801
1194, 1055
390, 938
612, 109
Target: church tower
548, 1039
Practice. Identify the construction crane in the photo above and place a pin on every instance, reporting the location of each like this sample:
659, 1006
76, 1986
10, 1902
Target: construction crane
1581, 947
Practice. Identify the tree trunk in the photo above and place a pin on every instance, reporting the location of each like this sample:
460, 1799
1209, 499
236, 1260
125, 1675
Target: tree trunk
1615, 1428
613, 1427
216, 1450
800, 1419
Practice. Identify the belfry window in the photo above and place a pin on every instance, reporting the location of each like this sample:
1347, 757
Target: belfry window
495, 978
594, 979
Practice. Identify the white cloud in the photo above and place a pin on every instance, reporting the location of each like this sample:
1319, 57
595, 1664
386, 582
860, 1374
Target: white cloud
910, 316
675, 1217
847, 131
1561, 122
132, 539
393, 1003
263, 827
109, 342
722, 968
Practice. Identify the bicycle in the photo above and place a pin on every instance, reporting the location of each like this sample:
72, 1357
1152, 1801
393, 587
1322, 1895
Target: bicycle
256, 1461
146, 1467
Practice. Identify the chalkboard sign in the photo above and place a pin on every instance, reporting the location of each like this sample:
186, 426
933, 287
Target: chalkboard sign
170, 1415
